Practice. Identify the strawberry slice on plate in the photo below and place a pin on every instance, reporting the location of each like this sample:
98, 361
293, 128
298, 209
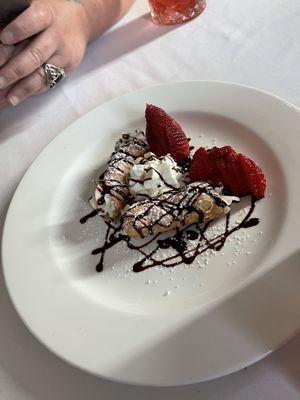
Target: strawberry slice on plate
226, 171
200, 168
237, 173
164, 135
254, 175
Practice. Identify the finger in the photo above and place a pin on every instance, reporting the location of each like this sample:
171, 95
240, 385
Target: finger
3, 100
6, 52
35, 19
21, 46
31, 85
28, 60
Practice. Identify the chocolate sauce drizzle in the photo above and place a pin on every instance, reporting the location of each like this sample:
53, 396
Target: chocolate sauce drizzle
89, 216
114, 180
178, 242
172, 207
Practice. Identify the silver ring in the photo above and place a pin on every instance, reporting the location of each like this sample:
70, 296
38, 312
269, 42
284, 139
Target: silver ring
53, 75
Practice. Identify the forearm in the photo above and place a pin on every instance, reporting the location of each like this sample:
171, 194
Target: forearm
102, 14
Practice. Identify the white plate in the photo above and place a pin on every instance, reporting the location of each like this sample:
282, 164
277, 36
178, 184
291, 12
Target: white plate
221, 317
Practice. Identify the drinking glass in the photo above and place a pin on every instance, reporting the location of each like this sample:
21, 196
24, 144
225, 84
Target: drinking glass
169, 12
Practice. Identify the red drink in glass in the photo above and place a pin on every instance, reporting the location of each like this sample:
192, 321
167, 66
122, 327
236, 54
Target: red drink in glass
169, 12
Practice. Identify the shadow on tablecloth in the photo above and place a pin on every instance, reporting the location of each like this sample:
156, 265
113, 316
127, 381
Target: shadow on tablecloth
123, 40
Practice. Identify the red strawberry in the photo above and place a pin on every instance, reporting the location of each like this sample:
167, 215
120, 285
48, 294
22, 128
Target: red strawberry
165, 135
237, 173
254, 175
200, 166
231, 176
222, 160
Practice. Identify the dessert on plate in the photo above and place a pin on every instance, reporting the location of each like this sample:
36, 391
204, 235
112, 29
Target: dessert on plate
153, 186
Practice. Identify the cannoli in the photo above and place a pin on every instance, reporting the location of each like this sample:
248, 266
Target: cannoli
196, 202
112, 191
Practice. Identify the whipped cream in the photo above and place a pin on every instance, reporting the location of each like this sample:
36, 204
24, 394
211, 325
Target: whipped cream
229, 199
108, 207
151, 176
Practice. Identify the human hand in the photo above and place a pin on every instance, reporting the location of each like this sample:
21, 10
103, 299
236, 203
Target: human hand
58, 32
5, 54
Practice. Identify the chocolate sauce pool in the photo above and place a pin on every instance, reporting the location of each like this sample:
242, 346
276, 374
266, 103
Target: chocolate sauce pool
178, 242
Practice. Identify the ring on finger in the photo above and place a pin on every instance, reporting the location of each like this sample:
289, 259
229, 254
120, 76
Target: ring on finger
54, 75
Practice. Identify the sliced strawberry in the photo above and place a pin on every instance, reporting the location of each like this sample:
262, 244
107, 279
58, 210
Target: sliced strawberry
237, 173
233, 177
254, 175
200, 167
222, 160
156, 140
164, 135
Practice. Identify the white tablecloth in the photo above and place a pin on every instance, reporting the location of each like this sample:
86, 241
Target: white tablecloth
252, 42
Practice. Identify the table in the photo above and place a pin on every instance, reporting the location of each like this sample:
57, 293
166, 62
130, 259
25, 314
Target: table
251, 42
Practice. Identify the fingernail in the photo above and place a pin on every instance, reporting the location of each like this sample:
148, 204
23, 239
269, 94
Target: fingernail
2, 83
7, 37
14, 100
